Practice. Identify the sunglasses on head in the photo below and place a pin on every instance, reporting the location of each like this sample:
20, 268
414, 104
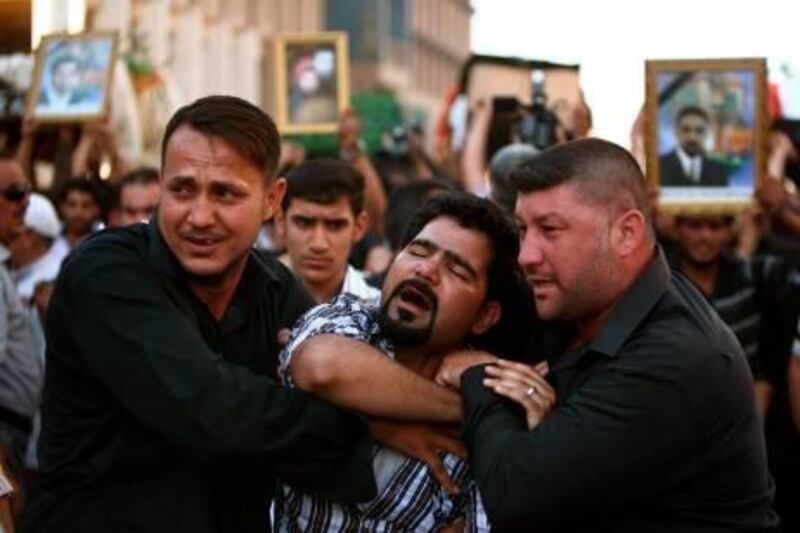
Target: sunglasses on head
15, 193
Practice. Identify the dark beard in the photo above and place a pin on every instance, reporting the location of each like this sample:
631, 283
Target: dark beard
396, 330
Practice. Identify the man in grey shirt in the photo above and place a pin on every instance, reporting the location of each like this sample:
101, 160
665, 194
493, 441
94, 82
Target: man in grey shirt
21, 371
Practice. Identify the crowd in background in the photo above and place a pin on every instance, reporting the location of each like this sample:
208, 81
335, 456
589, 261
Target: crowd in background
341, 223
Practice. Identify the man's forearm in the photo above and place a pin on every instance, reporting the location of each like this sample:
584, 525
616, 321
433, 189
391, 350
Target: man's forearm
355, 375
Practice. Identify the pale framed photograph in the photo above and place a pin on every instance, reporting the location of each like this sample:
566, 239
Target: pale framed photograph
706, 132
312, 81
72, 77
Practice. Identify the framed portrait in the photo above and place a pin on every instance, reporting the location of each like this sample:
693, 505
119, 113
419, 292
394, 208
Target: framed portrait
313, 81
706, 126
72, 77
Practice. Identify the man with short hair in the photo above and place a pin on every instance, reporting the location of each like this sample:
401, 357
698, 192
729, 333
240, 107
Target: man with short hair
688, 164
323, 217
655, 426
79, 206
446, 289
161, 411
740, 290
139, 192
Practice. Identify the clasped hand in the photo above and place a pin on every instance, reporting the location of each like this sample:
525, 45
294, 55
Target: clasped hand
518, 382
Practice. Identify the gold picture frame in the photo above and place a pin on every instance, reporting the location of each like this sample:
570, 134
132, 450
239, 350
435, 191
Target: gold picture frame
312, 77
706, 128
72, 77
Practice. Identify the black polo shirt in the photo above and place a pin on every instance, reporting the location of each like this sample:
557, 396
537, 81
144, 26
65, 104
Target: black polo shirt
655, 427
156, 417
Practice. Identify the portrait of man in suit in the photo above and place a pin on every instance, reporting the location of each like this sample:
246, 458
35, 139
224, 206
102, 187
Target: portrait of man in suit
67, 87
688, 164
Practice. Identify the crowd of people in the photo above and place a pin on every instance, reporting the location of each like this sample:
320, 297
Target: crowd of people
247, 338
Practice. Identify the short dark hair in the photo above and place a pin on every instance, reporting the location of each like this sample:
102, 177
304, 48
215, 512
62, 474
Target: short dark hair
500, 166
692, 110
484, 216
403, 202
139, 176
325, 181
605, 174
80, 185
245, 127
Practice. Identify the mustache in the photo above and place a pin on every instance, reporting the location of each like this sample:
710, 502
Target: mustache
419, 285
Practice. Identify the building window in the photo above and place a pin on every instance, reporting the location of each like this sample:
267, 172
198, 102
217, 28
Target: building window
347, 16
399, 18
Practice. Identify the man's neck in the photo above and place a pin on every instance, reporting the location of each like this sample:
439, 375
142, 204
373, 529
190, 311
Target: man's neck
423, 361
74, 238
702, 275
217, 294
327, 290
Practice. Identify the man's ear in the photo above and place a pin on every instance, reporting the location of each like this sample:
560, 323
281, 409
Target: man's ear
273, 198
628, 232
360, 226
487, 317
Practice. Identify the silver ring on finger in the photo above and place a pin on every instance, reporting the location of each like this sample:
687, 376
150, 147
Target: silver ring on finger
530, 392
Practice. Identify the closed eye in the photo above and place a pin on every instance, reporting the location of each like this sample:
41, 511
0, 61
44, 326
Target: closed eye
419, 249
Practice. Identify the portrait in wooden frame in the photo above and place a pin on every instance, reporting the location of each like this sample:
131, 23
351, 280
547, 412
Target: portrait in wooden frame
72, 77
706, 128
312, 79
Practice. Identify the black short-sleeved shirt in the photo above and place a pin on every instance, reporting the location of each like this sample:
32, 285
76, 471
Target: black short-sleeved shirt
655, 426
157, 417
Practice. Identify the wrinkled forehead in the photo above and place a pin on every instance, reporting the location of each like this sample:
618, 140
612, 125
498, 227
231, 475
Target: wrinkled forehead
559, 200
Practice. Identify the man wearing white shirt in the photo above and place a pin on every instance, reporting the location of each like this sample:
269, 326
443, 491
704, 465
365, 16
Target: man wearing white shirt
687, 165
34, 259
323, 216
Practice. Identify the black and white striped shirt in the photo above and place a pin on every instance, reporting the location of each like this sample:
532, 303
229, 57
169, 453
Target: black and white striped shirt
409, 498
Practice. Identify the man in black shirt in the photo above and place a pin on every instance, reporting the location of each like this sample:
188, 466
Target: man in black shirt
743, 292
655, 426
161, 411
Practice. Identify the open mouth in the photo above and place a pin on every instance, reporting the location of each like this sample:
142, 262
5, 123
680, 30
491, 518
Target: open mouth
416, 298
202, 241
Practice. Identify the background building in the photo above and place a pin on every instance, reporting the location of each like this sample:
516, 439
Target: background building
409, 51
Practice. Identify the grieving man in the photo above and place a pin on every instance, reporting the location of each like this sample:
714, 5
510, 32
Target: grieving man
655, 426
443, 292
161, 411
